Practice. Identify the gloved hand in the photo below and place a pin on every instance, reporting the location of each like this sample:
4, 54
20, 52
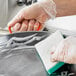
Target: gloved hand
29, 18
65, 51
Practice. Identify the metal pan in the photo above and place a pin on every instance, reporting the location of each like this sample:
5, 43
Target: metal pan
5, 38
66, 70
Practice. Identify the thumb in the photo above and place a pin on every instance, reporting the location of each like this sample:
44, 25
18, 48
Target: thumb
17, 19
54, 54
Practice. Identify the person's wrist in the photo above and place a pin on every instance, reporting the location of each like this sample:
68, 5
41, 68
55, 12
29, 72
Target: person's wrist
49, 7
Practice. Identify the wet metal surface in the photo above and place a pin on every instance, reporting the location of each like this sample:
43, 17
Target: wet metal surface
18, 56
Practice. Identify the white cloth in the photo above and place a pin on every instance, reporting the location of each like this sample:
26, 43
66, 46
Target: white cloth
66, 24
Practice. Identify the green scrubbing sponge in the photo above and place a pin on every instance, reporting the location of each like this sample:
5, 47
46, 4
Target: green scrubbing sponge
44, 48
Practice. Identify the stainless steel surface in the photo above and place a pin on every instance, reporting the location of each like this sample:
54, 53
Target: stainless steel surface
24, 60
21, 63
20, 2
3, 31
3, 12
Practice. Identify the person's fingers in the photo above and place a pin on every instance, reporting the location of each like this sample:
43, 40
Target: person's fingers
58, 54
24, 26
41, 26
16, 27
31, 25
36, 25
61, 52
65, 51
17, 19
54, 54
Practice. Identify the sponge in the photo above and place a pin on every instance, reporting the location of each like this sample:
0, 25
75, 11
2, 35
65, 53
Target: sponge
44, 49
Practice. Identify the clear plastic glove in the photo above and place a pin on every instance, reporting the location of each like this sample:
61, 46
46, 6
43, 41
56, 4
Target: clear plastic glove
29, 18
65, 51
